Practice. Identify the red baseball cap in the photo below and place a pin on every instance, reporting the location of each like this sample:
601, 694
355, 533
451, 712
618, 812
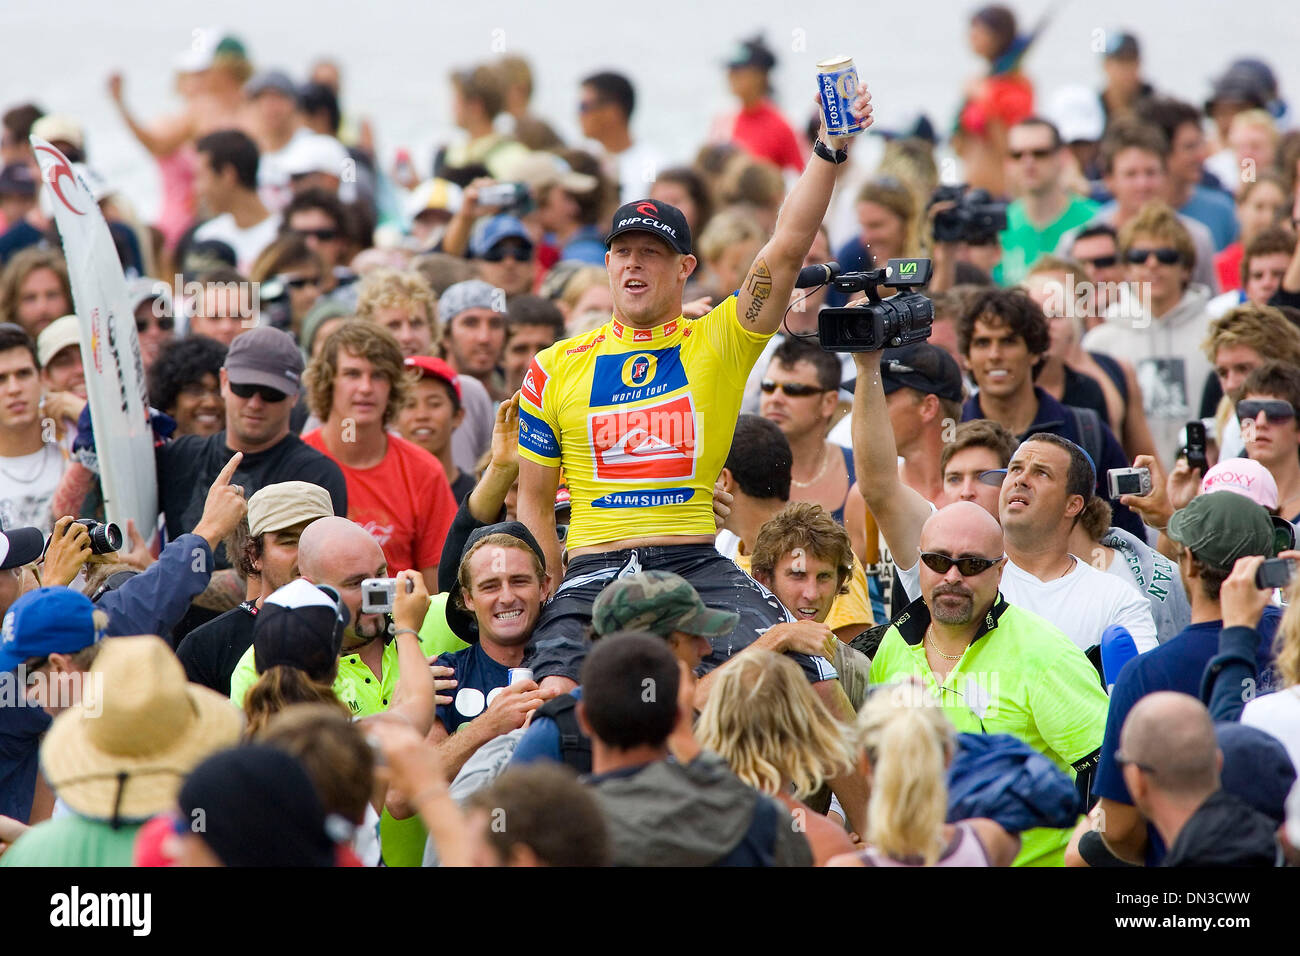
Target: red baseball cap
428, 365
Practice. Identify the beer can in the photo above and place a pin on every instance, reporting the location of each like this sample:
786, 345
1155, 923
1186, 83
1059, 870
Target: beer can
837, 79
517, 675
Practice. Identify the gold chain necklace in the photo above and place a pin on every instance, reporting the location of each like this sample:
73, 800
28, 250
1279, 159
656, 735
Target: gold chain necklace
820, 471
935, 647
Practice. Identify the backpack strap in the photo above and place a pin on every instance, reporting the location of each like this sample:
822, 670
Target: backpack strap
1088, 425
575, 746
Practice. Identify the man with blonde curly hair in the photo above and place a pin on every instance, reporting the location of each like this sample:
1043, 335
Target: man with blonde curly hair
397, 491
1238, 342
403, 303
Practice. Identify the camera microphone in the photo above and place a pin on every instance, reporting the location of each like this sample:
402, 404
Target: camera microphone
812, 276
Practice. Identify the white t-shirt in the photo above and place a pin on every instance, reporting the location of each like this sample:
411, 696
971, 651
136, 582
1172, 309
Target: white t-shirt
638, 167
1082, 603
1278, 714
247, 243
27, 485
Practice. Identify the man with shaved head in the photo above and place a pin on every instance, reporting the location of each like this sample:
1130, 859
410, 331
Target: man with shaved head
993, 666
340, 553
1171, 763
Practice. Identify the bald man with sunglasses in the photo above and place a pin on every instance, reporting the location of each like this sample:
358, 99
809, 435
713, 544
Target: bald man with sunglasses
994, 667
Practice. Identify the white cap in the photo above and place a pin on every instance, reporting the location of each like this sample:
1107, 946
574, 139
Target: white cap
315, 153
1076, 113
440, 194
56, 337
201, 53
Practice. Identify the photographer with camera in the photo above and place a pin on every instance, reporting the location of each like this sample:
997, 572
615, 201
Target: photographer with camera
965, 225
154, 600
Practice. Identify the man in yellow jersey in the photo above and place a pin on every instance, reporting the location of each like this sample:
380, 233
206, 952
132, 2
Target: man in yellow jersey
639, 414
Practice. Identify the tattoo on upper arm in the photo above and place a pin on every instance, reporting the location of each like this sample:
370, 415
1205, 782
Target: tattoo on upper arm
759, 286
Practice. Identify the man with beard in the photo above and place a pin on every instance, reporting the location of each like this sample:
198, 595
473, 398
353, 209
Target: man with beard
342, 554
994, 667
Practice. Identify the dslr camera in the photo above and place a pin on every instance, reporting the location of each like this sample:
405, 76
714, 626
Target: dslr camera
512, 198
977, 218
105, 537
879, 323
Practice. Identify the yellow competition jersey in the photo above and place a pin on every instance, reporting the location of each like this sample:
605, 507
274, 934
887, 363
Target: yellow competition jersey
641, 421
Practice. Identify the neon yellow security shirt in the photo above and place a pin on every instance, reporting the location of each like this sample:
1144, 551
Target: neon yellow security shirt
356, 685
641, 421
1020, 676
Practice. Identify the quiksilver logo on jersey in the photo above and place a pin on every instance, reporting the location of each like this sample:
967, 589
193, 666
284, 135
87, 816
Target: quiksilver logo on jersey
648, 223
654, 443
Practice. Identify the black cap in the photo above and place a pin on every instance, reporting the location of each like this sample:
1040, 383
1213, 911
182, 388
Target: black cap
1122, 46
514, 529
657, 218
259, 808
17, 179
752, 52
19, 546
1241, 83
924, 367
300, 625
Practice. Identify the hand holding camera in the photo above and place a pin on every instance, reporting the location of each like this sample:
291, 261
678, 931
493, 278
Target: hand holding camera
1249, 588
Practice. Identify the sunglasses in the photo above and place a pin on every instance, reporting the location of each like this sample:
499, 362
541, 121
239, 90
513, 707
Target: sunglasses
966, 567
1275, 410
164, 323
320, 235
586, 106
32, 667
1165, 255
793, 389
269, 395
503, 251
1102, 262
1018, 154
300, 282
993, 477
1121, 759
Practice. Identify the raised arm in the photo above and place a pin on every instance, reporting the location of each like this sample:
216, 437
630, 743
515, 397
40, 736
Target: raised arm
899, 510
765, 293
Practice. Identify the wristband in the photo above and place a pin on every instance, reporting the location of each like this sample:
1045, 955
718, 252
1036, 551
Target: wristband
836, 157
406, 630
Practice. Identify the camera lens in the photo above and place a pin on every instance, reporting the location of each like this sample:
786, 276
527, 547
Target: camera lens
105, 538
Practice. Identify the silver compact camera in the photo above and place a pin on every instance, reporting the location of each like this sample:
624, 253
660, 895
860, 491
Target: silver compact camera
1128, 481
377, 595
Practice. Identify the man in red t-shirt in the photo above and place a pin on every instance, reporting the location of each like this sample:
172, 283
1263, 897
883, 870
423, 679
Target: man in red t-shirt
759, 127
397, 491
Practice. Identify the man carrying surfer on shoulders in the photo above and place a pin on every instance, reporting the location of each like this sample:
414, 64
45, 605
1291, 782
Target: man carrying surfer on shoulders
640, 414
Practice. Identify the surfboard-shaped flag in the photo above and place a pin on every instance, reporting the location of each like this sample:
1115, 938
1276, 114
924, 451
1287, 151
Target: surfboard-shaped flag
110, 349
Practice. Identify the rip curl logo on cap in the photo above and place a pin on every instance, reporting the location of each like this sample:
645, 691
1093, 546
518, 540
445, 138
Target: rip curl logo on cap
7, 631
648, 208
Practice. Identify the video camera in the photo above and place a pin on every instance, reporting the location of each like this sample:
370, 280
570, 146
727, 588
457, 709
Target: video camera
878, 323
977, 218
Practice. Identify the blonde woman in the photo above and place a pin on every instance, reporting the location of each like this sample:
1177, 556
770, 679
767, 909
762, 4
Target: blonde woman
764, 720
905, 744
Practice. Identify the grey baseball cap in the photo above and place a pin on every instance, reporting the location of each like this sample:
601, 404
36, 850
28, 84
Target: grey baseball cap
265, 356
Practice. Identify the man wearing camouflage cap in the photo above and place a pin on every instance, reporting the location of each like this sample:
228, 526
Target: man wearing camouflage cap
657, 602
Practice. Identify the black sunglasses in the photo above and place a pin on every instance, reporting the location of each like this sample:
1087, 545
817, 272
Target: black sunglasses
269, 395
1102, 262
320, 235
1122, 760
1165, 255
966, 567
502, 251
1276, 410
298, 282
1036, 153
792, 389
165, 323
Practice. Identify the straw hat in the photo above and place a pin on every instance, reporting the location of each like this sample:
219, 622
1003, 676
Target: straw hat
123, 753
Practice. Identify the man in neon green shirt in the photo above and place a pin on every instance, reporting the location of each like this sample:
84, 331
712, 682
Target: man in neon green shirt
995, 668
342, 554
1044, 209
